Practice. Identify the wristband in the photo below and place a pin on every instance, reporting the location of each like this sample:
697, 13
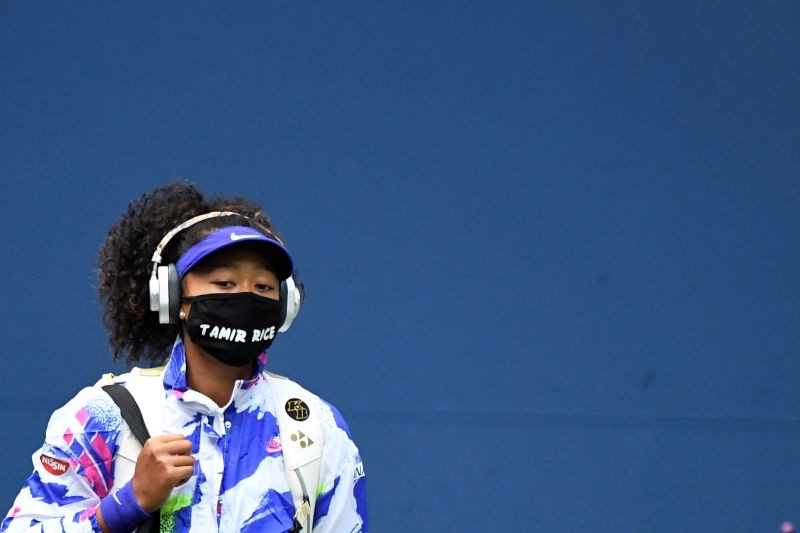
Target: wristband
121, 512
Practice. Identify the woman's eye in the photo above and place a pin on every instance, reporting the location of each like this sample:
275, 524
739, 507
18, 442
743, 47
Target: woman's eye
263, 287
224, 284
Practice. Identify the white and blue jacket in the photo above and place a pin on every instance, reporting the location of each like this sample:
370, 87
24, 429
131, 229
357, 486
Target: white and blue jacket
239, 483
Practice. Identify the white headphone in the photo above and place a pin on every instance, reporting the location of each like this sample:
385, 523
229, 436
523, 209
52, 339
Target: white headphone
165, 285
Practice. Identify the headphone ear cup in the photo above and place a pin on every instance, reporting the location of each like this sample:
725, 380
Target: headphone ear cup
163, 295
290, 303
174, 286
169, 295
282, 296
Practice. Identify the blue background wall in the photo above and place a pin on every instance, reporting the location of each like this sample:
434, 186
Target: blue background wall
552, 250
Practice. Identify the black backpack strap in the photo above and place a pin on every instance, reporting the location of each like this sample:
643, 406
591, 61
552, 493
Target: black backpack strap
132, 416
131, 413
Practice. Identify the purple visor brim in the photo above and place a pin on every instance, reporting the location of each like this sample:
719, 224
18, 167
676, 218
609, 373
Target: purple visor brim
273, 250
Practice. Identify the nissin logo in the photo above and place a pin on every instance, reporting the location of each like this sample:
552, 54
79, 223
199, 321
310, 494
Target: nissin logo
55, 466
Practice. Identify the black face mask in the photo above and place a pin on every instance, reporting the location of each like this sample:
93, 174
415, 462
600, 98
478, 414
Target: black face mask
235, 328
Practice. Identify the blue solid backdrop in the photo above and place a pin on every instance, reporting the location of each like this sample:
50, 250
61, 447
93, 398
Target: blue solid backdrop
551, 249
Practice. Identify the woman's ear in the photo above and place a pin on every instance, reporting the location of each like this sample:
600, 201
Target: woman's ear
185, 306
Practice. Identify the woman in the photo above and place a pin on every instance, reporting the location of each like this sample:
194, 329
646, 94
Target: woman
228, 451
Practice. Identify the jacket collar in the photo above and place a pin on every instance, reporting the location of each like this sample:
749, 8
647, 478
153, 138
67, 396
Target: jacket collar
175, 371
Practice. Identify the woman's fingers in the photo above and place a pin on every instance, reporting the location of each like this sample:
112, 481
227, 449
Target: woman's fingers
164, 462
175, 447
178, 461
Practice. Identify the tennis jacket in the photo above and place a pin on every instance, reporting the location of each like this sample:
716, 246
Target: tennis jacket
239, 483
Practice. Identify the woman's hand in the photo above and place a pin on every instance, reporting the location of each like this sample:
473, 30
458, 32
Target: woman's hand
164, 462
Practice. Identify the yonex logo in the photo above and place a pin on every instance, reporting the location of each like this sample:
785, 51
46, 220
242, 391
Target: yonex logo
305, 441
236, 237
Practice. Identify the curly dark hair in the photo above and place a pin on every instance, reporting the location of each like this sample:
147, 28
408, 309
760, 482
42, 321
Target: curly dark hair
124, 263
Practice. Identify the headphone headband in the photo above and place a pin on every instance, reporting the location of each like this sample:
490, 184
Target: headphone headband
191, 222
199, 218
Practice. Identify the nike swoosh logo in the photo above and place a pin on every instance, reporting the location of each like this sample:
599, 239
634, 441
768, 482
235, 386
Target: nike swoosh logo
235, 237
